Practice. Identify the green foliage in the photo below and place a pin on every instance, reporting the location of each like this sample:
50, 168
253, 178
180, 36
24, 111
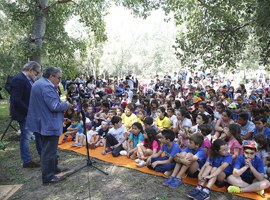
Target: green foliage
212, 33
57, 47
216, 32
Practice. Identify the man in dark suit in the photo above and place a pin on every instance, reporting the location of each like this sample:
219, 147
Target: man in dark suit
19, 100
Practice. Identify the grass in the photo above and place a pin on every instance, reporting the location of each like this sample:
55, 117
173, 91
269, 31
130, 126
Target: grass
121, 183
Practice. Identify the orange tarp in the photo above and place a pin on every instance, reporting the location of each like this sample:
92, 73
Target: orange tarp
129, 163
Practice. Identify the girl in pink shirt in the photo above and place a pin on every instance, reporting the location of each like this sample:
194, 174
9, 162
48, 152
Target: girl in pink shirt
235, 142
148, 147
206, 131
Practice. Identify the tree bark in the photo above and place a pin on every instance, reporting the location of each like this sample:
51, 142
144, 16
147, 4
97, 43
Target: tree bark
38, 29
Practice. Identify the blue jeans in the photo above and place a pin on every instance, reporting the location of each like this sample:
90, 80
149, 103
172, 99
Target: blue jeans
24, 143
163, 167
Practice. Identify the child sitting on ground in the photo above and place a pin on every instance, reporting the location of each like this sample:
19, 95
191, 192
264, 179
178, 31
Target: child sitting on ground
206, 131
148, 123
184, 133
68, 114
248, 172
74, 128
115, 140
233, 134
135, 137
101, 133
170, 148
141, 116
148, 147
191, 159
77, 128
262, 150
217, 167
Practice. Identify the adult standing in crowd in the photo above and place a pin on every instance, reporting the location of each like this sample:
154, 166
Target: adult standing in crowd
19, 100
45, 116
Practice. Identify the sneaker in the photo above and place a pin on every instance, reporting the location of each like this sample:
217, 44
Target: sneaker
64, 140
123, 153
166, 183
261, 193
202, 195
141, 164
234, 189
79, 145
193, 193
75, 144
175, 183
138, 160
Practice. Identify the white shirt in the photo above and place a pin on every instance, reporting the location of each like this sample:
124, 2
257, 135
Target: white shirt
118, 133
174, 121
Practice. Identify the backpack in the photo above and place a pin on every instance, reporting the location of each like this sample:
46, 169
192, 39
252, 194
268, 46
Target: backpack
8, 83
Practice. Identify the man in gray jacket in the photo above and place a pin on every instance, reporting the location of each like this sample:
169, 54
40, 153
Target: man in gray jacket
45, 116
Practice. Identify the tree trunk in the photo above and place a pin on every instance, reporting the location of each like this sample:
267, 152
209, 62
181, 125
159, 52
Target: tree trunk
38, 29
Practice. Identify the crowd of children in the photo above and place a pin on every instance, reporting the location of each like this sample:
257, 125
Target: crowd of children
217, 135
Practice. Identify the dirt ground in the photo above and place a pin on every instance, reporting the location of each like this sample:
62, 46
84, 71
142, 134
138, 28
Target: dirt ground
88, 183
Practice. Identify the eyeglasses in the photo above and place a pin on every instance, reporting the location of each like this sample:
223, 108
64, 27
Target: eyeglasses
37, 72
249, 153
59, 77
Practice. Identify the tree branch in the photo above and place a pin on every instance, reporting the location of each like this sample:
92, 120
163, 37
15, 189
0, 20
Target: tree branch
229, 30
57, 3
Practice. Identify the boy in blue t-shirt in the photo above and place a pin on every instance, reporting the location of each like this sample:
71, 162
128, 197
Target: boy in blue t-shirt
248, 173
170, 148
191, 159
261, 126
74, 128
217, 167
77, 128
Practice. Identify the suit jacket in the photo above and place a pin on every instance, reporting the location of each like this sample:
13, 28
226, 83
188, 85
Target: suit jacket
45, 112
19, 98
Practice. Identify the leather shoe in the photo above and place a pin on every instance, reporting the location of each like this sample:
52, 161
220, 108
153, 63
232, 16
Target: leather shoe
31, 164
54, 180
60, 170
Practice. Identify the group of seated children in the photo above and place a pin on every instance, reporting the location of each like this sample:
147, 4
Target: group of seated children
225, 161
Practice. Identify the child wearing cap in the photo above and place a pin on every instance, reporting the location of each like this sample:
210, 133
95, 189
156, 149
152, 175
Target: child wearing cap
248, 172
232, 107
252, 102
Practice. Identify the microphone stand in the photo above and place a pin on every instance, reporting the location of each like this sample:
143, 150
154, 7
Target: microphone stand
89, 162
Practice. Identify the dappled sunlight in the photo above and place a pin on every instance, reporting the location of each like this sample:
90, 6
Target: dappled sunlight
69, 159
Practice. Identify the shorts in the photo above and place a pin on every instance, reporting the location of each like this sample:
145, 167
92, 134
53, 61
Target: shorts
194, 175
248, 180
221, 184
